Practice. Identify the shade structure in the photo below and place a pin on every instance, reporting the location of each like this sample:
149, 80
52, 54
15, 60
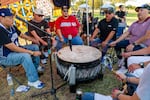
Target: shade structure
84, 5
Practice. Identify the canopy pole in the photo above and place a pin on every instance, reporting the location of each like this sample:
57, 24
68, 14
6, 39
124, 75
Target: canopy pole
87, 23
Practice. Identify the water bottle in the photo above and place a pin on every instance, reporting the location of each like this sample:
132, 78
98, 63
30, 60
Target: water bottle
9, 80
10, 83
79, 94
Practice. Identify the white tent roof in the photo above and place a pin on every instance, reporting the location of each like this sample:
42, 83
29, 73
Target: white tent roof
84, 6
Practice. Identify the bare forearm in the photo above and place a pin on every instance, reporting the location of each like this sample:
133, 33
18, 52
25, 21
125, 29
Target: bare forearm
15, 48
123, 36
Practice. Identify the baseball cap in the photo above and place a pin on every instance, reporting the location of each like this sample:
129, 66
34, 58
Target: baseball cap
39, 12
109, 10
145, 6
5, 12
64, 7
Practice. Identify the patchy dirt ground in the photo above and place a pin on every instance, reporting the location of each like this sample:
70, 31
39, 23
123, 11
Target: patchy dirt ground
104, 87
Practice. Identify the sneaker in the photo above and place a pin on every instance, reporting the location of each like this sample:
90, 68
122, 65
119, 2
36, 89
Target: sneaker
43, 61
40, 69
37, 84
45, 54
122, 70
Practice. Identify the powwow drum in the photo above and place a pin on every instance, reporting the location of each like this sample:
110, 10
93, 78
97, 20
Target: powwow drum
85, 59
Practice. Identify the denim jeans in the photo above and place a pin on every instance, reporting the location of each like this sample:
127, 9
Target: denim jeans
75, 41
29, 63
96, 42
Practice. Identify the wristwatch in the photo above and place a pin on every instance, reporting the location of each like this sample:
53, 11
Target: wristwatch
141, 64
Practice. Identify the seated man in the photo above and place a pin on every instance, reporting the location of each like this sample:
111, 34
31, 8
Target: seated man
107, 28
142, 92
11, 53
67, 25
41, 37
137, 36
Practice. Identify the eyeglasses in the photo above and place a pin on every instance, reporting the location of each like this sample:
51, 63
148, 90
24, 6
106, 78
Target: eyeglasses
40, 15
65, 10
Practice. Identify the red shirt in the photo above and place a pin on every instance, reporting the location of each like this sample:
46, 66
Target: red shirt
68, 26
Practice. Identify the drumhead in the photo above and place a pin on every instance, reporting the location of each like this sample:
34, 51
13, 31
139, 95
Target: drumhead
79, 54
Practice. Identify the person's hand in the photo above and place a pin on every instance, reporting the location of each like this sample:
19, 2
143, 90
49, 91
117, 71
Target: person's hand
44, 43
133, 67
36, 53
121, 76
104, 44
115, 93
126, 54
36, 41
129, 47
91, 38
61, 39
112, 43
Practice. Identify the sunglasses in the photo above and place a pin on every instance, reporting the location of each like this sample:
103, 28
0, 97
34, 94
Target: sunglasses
40, 15
65, 10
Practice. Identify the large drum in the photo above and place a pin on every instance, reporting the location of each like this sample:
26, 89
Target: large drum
85, 59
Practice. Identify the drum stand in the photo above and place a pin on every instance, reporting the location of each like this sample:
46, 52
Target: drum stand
52, 90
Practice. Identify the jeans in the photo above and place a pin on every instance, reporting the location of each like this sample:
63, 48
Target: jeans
96, 42
75, 41
29, 63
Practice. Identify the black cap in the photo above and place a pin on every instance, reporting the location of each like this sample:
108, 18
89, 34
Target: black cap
109, 10
64, 7
145, 6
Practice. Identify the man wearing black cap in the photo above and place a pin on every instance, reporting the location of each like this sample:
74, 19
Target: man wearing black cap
11, 53
107, 29
67, 25
138, 32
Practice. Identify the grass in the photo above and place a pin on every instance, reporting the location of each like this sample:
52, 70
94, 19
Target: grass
104, 87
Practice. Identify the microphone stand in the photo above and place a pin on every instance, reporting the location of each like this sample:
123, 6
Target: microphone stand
52, 90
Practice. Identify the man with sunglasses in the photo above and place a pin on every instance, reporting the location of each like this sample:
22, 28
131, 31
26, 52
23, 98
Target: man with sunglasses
41, 37
11, 53
107, 28
67, 25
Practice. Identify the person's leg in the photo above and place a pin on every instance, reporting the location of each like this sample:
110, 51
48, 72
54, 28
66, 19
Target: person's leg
119, 46
77, 40
36, 59
26, 61
95, 42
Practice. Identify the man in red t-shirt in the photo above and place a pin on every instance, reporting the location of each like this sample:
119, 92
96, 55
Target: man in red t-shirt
67, 25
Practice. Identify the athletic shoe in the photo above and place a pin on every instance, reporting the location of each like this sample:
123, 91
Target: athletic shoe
43, 61
37, 84
40, 69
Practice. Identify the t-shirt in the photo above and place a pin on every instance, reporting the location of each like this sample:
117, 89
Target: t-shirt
68, 26
8, 36
106, 27
42, 25
120, 14
137, 30
143, 89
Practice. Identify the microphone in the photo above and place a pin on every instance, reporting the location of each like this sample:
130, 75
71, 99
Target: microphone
70, 41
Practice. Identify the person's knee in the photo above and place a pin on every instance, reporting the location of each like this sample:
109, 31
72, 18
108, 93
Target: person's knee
36, 47
25, 56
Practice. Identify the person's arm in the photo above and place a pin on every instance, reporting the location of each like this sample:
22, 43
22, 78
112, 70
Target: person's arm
96, 31
143, 51
110, 36
15, 48
29, 38
37, 37
127, 97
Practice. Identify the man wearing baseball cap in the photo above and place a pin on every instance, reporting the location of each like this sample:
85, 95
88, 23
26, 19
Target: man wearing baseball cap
67, 25
107, 28
144, 6
11, 53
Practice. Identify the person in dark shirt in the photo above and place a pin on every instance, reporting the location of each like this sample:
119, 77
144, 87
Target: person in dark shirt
11, 53
41, 37
107, 28
121, 15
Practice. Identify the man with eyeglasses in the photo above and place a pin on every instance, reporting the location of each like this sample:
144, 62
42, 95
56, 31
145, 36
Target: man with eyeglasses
41, 37
11, 53
138, 34
107, 28
67, 25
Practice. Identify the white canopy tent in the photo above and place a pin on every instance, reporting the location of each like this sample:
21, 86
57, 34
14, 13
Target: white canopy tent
84, 6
